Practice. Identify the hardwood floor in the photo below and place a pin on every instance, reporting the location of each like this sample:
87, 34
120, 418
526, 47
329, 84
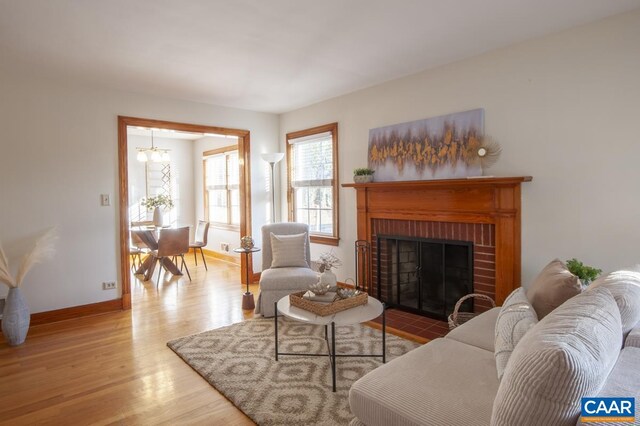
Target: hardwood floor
116, 368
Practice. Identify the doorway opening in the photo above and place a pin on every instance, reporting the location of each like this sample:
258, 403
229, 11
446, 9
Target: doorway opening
157, 181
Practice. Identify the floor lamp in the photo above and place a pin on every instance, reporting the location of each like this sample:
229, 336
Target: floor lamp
273, 158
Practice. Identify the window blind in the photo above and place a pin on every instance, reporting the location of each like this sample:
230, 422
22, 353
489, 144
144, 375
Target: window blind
312, 161
216, 166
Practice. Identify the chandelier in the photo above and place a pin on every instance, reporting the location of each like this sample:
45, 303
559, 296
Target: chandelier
157, 155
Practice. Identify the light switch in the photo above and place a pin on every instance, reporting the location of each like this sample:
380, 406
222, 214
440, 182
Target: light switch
104, 200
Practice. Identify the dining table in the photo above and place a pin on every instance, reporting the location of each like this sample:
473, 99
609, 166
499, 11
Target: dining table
150, 237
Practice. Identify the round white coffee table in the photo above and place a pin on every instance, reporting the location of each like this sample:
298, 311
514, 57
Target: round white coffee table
359, 314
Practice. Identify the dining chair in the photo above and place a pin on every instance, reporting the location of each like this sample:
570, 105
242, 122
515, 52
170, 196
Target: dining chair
137, 248
135, 255
172, 242
200, 241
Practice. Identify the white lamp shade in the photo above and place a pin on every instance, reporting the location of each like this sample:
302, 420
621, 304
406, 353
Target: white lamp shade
166, 157
142, 156
272, 157
156, 157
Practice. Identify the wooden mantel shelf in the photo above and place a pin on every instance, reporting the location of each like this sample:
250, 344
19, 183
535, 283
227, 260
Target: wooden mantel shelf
481, 180
490, 200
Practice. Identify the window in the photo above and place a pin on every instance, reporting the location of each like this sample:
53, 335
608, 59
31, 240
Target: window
221, 190
312, 161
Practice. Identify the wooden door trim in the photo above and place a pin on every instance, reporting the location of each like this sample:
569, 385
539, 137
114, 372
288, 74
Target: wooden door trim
245, 186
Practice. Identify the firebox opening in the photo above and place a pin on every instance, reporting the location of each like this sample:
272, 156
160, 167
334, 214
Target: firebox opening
425, 276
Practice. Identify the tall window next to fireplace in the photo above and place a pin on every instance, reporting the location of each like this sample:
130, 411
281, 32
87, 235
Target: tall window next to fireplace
424, 276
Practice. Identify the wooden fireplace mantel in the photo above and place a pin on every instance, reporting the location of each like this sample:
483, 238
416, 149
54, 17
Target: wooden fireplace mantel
489, 200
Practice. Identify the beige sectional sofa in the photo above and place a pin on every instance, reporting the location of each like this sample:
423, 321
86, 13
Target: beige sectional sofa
453, 380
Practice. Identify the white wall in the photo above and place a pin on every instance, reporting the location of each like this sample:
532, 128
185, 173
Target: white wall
58, 145
564, 108
216, 235
181, 155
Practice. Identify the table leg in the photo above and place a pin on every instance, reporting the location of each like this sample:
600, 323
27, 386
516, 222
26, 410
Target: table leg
152, 267
276, 324
384, 334
333, 354
170, 266
247, 298
144, 265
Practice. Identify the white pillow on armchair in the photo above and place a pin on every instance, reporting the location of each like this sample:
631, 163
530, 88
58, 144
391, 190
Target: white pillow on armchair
289, 251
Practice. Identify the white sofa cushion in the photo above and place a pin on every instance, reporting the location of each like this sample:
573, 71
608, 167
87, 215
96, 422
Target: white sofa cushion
624, 380
478, 332
624, 285
633, 338
444, 382
289, 251
515, 319
566, 356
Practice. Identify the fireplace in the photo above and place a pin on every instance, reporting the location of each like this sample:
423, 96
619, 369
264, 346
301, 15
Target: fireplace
423, 275
484, 211
480, 238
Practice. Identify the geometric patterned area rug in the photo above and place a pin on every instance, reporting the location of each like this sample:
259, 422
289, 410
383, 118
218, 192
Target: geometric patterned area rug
239, 361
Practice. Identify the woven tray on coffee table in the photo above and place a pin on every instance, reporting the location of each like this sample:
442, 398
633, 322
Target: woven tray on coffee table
324, 309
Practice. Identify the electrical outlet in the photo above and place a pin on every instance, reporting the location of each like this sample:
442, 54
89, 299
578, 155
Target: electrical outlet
108, 285
224, 247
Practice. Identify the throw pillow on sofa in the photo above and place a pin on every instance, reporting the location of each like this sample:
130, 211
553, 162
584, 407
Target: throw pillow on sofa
515, 319
567, 355
624, 285
553, 286
289, 250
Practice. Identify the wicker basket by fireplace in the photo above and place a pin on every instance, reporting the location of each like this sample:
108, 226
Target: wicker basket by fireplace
459, 318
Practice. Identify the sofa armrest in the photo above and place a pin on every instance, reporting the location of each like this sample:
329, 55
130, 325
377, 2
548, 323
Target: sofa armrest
479, 331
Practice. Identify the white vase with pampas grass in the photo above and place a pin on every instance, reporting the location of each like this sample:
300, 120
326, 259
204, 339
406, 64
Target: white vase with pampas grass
16, 316
326, 261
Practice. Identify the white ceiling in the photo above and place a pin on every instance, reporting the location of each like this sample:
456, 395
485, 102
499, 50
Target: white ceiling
270, 55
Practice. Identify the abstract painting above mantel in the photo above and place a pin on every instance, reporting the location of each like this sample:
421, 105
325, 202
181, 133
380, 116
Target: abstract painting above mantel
443, 147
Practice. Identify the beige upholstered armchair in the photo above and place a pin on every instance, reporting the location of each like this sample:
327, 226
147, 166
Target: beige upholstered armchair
285, 264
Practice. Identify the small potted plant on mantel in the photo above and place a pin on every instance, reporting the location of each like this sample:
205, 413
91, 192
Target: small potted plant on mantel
363, 175
155, 203
585, 273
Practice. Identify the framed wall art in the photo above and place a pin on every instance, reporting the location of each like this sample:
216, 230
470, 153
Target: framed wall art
443, 147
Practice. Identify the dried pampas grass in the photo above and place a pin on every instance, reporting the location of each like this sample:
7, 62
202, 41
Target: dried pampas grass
43, 249
5, 275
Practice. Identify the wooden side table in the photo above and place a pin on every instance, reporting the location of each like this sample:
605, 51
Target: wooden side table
247, 298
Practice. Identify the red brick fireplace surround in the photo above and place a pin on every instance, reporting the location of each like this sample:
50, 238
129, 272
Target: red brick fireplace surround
482, 235
484, 211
